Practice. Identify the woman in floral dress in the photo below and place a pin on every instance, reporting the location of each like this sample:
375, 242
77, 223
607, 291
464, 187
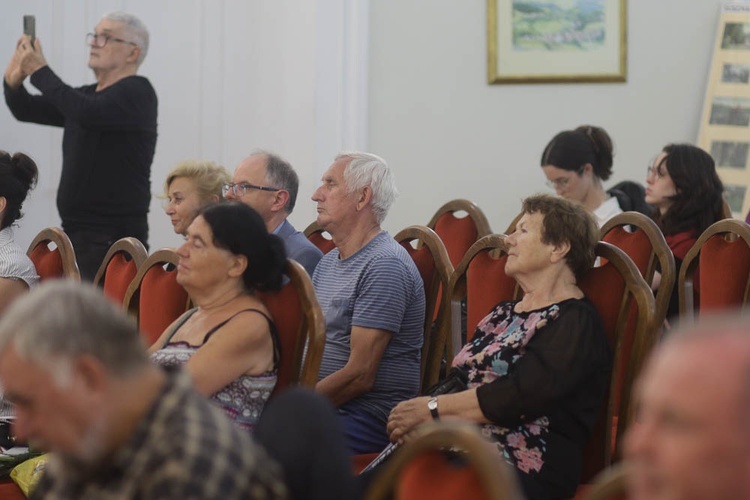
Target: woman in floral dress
538, 367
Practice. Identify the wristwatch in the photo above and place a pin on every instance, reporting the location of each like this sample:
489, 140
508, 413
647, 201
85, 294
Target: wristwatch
432, 406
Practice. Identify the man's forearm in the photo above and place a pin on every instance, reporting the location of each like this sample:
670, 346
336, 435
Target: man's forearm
344, 385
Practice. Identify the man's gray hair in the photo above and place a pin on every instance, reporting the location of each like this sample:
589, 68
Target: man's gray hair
136, 29
281, 175
367, 169
61, 320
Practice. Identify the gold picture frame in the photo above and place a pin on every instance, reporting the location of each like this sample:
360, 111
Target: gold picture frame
556, 41
725, 123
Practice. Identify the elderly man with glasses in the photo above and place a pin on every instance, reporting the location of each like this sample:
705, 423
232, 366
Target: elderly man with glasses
109, 138
269, 184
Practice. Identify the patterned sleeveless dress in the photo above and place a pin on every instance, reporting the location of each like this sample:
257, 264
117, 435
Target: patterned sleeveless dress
243, 399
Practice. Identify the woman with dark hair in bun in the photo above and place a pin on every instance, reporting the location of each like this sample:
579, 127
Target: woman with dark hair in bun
228, 343
575, 163
18, 175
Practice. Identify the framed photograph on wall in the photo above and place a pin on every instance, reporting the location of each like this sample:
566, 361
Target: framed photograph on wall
725, 122
556, 41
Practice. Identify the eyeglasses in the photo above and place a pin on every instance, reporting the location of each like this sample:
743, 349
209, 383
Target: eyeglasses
657, 171
562, 183
100, 41
240, 189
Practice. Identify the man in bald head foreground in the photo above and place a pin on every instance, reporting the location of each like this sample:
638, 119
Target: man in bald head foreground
691, 439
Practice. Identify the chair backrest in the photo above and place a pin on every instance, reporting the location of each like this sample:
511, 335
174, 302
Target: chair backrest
480, 279
53, 256
423, 470
319, 237
154, 297
610, 484
431, 259
642, 240
301, 327
612, 287
721, 257
458, 234
119, 267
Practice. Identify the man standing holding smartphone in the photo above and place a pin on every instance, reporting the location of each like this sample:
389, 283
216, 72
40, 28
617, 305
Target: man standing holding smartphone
109, 138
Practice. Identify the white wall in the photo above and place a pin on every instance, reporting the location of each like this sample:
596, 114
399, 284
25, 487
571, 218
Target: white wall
231, 76
450, 135
292, 76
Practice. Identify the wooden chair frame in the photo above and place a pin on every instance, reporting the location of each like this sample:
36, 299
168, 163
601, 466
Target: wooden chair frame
730, 228
312, 330
132, 295
496, 245
130, 246
314, 230
660, 252
498, 480
64, 247
436, 306
636, 289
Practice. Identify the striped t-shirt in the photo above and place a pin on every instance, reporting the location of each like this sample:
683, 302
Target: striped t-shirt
377, 287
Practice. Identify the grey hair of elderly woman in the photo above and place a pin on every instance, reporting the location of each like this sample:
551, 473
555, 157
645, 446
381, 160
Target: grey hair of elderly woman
569, 222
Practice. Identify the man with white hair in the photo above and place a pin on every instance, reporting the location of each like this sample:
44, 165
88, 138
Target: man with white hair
116, 425
691, 440
373, 299
109, 138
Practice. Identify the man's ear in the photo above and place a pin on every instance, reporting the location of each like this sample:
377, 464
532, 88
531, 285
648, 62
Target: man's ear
91, 373
363, 197
560, 251
134, 55
280, 199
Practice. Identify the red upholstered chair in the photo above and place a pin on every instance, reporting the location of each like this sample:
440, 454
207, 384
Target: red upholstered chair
10, 490
154, 297
480, 279
459, 233
612, 288
317, 236
299, 321
642, 240
119, 267
431, 259
422, 470
721, 257
53, 255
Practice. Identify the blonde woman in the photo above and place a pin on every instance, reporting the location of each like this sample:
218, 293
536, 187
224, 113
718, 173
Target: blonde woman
190, 185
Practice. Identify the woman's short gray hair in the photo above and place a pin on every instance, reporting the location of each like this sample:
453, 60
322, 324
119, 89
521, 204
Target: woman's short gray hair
367, 169
136, 29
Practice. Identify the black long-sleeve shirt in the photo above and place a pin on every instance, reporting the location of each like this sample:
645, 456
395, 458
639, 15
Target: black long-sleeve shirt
108, 145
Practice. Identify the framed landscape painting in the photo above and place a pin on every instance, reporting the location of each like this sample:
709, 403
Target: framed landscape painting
556, 41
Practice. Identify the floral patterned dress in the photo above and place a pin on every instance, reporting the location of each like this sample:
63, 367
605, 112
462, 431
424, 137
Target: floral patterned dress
540, 377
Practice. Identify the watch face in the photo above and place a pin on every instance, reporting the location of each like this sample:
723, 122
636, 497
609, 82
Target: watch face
432, 404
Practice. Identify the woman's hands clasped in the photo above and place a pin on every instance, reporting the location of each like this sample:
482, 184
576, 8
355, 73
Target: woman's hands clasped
406, 416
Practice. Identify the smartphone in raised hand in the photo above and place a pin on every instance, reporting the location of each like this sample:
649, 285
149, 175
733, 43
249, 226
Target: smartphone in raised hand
29, 27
